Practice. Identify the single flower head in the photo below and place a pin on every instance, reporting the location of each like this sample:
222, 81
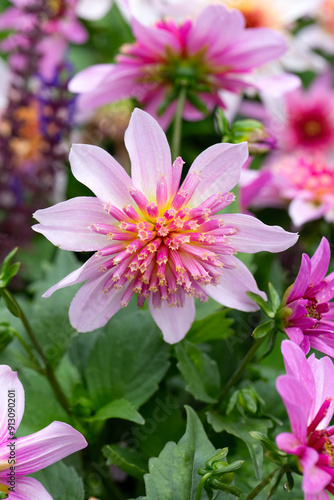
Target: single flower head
26, 455
307, 311
205, 57
307, 391
153, 238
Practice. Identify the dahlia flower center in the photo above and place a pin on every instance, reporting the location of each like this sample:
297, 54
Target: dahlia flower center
164, 246
56, 8
258, 14
312, 126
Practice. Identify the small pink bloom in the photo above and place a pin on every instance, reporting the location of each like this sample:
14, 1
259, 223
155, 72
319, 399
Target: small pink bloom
308, 314
153, 237
212, 54
307, 391
26, 455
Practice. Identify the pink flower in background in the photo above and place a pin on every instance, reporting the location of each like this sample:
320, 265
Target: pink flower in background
154, 238
212, 54
33, 452
59, 22
308, 315
303, 182
307, 391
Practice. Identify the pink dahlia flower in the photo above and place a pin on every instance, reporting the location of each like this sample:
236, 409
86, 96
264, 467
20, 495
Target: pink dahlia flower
307, 391
26, 455
212, 54
156, 239
308, 314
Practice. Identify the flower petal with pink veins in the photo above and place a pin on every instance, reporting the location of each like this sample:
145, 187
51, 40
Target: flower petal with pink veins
27, 488
43, 448
85, 272
154, 40
219, 167
92, 11
315, 479
303, 278
323, 373
298, 404
66, 224
234, 283
9, 382
90, 78
208, 31
91, 308
296, 364
253, 236
290, 444
100, 172
174, 322
320, 261
149, 153
302, 211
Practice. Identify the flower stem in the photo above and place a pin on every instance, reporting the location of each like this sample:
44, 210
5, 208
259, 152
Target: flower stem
177, 129
247, 359
28, 349
262, 485
48, 368
201, 485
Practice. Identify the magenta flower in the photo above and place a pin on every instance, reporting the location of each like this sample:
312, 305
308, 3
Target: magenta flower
213, 54
307, 391
307, 313
154, 238
25, 455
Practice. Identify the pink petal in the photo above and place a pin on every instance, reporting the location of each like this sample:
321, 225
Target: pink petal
91, 308
152, 105
52, 49
314, 478
90, 78
254, 236
92, 11
216, 27
320, 262
234, 283
96, 169
73, 31
220, 166
302, 211
27, 488
66, 224
174, 322
156, 40
85, 272
298, 404
290, 444
12, 18
149, 153
303, 278
43, 448
322, 343
323, 373
9, 382
297, 365
295, 334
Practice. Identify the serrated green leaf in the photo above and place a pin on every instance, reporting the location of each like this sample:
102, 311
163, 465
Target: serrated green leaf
263, 330
199, 371
173, 475
128, 360
241, 430
213, 327
130, 461
62, 482
119, 408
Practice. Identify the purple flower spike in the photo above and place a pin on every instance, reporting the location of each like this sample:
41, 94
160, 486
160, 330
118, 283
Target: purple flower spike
25, 455
308, 314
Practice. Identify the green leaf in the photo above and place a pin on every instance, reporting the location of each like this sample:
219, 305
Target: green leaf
119, 408
10, 302
128, 360
213, 327
274, 297
8, 271
263, 330
62, 482
241, 430
173, 475
130, 461
199, 371
262, 303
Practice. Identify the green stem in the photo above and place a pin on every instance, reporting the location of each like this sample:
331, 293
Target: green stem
28, 349
262, 485
201, 485
48, 368
177, 129
247, 359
